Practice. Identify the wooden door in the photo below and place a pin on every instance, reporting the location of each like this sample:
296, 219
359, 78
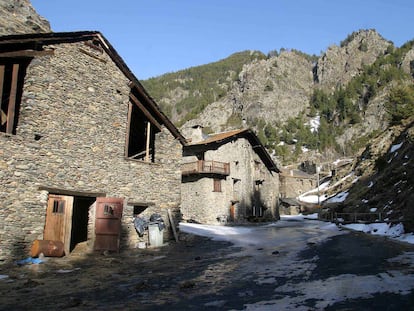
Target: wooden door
233, 212
58, 225
108, 223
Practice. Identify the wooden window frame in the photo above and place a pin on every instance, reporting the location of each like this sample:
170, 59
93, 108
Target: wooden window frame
58, 207
217, 185
12, 73
141, 131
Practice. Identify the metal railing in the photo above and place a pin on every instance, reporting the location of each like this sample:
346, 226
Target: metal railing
205, 167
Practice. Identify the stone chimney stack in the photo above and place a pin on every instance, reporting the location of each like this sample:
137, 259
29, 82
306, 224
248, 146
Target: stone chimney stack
194, 134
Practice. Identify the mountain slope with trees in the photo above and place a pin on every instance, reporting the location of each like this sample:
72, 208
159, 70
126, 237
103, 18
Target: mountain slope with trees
347, 89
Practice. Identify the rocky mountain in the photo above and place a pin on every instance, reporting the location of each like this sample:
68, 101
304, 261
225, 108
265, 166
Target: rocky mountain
339, 64
19, 16
347, 86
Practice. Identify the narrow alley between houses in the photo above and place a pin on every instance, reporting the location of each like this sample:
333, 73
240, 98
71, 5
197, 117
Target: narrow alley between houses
294, 264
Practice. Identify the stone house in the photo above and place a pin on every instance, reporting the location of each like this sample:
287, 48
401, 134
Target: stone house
294, 182
227, 177
84, 148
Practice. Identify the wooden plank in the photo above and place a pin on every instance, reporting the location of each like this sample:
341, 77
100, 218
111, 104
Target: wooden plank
128, 130
145, 111
12, 99
27, 53
68, 223
3, 116
172, 224
147, 147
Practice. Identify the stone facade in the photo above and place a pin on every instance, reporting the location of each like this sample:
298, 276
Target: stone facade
248, 191
295, 182
71, 138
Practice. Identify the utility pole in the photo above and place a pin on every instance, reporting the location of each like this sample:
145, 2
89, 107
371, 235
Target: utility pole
318, 169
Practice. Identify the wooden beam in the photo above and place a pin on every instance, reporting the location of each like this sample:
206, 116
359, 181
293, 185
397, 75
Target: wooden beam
102, 60
145, 111
60, 191
147, 148
3, 117
128, 131
27, 53
12, 99
172, 225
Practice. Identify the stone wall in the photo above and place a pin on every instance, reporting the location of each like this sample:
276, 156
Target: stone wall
201, 204
291, 186
71, 135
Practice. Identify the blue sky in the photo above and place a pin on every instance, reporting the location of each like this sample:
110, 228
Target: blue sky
160, 36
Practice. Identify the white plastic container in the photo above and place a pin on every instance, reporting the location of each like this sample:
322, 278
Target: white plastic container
155, 235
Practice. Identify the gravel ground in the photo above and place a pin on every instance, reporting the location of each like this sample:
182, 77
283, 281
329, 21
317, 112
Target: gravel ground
292, 268
136, 279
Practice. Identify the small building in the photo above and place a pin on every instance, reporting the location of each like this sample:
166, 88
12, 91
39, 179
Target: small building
294, 182
84, 148
228, 177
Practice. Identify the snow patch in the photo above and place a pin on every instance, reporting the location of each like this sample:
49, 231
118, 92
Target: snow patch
314, 124
395, 147
383, 229
340, 197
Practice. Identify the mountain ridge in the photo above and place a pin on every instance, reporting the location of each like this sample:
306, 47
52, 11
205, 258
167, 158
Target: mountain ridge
272, 91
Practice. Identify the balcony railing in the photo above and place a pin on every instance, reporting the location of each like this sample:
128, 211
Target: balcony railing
205, 167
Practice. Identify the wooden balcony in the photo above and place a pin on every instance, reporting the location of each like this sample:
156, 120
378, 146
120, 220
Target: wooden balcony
206, 167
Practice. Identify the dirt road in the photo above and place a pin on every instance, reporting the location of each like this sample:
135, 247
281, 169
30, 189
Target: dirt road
290, 267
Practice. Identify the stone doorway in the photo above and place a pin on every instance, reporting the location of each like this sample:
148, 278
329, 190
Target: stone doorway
67, 219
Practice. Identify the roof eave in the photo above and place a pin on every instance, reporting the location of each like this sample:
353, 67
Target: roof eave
66, 37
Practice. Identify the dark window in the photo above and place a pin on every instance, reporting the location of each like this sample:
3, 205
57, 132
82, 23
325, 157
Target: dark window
58, 207
138, 209
108, 210
12, 73
217, 185
142, 128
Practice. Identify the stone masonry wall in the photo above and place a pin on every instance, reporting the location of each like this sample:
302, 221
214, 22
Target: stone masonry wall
71, 135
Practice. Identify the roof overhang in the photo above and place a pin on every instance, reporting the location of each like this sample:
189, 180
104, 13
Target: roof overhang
35, 44
223, 138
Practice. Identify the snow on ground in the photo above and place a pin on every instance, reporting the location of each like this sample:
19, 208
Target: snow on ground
311, 197
339, 197
287, 238
395, 147
392, 231
314, 124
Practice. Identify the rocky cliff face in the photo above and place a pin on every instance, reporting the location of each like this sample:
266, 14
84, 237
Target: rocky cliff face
341, 63
18, 17
281, 86
274, 89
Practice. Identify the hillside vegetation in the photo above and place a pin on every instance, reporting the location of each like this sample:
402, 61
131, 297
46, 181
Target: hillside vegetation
354, 91
184, 94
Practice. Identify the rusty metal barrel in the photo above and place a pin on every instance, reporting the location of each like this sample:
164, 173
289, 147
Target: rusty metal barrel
48, 248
